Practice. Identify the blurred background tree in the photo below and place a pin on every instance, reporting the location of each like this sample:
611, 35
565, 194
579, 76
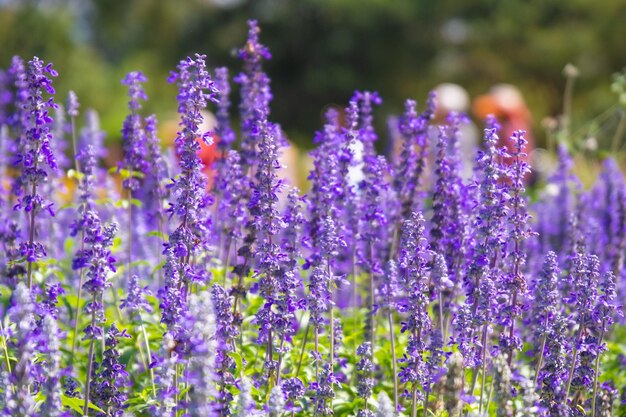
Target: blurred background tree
325, 49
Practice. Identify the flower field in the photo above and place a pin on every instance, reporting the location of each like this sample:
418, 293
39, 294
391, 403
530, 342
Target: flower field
395, 286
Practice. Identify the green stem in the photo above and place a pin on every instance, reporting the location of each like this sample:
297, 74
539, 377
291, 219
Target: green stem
4, 346
539, 361
148, 351
80, 294
619, 132
574, 357
595, 378
394, 359
89, 365
31, 237
484, 366
306, 337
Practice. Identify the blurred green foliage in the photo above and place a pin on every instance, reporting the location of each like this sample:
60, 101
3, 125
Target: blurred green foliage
325, 49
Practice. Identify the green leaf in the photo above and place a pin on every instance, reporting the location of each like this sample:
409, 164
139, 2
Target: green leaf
72, 173
238, 360
68, 246
156, 233
77, 404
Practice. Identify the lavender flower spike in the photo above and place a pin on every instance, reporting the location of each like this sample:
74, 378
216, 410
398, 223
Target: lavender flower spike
20, 402
133, 134
188, 189
34, 155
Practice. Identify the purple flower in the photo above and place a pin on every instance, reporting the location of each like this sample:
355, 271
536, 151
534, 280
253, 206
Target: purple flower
96, 257
255, 94
413, 266
513, 283
327, 190
366, 101
290, 283
223, 129
133, 133
365, 369
389, 289
323, 390
245, 404
110, 377
35, 154
546, 297
553, 375
227, 333
482, 276
557, 205
200, 353
52, 407
155, 174
18, 120
187, 191
233, 189
267, 223
135, 300
276, 402
92, 135
449, 232
19, 399
411, 164
72, 104
319, 298
294, 390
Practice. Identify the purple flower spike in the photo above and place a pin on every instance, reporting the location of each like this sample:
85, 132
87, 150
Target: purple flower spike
72, 104
255, 93
223, 129
136, 302
110, 377
133, 133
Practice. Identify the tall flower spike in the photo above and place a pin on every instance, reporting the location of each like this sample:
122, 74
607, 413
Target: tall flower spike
255, 93
385, 407
154, 191
291, 282
367, 100
411, 165
226, 334
413, 266
366, 382
133, 134
188, 190
323, 390
20, 401
479, 279
202, 345
276, 402
513, 286
502, 386
110, 377
231, 213
35, 158
326, 191
245, 403
263, 207
223, 130
195, 89
450, 221
6, 97
553, 375
294, 390
545, 305
18, 120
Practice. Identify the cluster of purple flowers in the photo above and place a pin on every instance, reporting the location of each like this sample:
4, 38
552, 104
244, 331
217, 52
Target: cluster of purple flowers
458, 270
